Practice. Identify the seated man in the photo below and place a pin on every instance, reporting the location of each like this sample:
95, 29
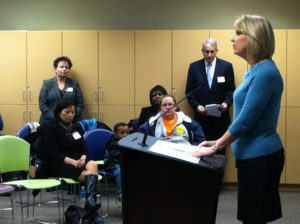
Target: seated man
173, 126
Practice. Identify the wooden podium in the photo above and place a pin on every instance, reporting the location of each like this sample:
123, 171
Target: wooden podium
159, 189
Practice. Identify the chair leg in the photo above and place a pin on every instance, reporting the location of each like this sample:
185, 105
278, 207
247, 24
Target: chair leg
12, 208
107, 196
22, 214
78, 195
63, 199
58, 202
33, 205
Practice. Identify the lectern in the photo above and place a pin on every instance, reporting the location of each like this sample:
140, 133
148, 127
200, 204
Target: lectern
159, 189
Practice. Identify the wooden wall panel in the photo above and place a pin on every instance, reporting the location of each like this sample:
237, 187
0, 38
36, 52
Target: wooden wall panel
280, 58
82, 48
152, 62
293, 108
292, 145
42, 49
293, 68
225, 51
14, 117
281, 129
116, 67
13, 67
127, 64
112, 114
186, 48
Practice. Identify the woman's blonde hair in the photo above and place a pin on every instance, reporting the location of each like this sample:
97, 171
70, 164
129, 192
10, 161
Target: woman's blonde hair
260, 36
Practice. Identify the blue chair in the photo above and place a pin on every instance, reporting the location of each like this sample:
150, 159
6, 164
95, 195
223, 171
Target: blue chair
1, 124
87, 125
96, 140
24, 131
90, 124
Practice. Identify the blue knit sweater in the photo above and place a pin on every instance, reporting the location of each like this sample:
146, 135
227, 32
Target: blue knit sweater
256, 110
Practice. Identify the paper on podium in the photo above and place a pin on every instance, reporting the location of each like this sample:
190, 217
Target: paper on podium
213, 110
178, 151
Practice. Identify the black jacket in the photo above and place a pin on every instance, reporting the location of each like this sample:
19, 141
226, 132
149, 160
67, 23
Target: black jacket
112, 154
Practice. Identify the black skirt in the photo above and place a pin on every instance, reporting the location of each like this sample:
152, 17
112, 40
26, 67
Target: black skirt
258, 183
67, 171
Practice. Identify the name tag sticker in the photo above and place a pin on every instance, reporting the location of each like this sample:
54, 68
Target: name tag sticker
76, 135
70, 89
180, 130
221, 79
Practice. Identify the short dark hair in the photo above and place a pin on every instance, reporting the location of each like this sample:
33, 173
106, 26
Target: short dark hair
120, 124
62, 58
157, 88
62, 104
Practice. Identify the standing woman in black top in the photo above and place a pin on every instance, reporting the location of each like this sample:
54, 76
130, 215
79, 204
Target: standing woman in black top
59, 87
65, 153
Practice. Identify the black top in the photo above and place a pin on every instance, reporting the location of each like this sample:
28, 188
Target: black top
50, 94
60, 141
146, 113
112, 154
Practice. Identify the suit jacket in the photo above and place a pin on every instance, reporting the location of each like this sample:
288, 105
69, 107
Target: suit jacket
221, 90
50, 94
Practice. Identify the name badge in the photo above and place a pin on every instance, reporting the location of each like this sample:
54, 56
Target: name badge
180, 130
221, 79
70, 89
76, 135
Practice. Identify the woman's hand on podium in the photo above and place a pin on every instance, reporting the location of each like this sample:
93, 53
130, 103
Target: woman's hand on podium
206, 148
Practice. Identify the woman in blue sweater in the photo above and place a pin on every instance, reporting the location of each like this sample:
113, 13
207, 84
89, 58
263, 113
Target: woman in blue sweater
255, 143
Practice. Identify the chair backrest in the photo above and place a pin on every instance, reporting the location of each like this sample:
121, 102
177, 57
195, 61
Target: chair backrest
1, 123
14, 154
96, 140
88, 124
24, 131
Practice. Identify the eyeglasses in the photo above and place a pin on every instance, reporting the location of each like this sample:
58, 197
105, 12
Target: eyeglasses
167, 104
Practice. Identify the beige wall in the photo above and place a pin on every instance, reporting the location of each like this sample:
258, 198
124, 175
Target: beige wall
116, 70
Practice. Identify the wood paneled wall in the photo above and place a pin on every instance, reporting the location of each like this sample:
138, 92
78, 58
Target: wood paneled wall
117, 68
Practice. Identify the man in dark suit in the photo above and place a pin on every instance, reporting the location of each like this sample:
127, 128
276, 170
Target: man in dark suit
215, 79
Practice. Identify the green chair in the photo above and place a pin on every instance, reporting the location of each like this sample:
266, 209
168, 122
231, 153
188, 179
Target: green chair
14, 156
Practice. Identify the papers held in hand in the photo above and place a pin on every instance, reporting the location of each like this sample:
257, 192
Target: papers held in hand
213, 110
178, 151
